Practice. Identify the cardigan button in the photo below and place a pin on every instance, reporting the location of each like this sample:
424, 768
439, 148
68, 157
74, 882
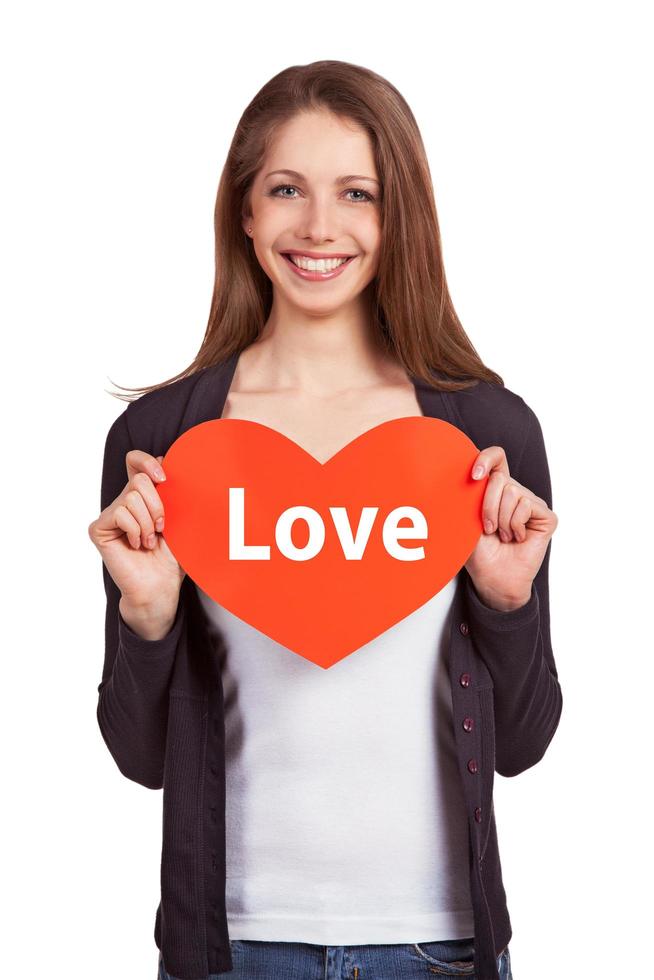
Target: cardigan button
472, 765
464, 680
468, 724
465, 629
478, 814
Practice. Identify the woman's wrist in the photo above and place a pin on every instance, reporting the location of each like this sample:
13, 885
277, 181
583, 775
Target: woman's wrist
150, 622
502, 603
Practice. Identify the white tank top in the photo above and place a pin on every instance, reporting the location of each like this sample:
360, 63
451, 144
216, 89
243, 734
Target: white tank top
345, 818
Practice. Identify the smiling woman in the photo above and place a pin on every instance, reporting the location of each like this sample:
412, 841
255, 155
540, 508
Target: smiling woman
324, 207
350, 806
328, 161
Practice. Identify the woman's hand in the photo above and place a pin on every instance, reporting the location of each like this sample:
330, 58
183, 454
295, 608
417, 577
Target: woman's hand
127, 535
502, 568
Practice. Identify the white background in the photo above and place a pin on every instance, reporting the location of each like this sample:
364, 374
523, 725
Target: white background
116, 119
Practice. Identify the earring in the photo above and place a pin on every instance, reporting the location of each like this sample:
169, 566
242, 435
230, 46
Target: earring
249, 230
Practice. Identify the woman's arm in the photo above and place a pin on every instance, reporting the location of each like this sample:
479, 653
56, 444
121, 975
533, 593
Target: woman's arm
516, 645
132, 709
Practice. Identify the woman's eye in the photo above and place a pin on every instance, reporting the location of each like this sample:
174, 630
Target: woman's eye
357, 190
352, 190
282, 187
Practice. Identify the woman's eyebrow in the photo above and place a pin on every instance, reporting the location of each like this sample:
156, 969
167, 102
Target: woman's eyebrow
339, 180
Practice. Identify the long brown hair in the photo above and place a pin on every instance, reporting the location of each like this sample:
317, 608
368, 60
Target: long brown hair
412, 307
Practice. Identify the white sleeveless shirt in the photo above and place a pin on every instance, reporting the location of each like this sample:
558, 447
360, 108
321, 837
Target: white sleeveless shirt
345, 817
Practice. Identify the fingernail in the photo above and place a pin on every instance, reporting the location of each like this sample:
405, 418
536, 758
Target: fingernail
150, 540
489, 526
478, 471
159, 473
159, 523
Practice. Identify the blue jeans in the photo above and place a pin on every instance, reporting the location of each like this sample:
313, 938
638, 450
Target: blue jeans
254, 959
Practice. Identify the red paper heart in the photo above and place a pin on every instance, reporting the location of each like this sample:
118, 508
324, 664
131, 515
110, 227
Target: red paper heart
327, 606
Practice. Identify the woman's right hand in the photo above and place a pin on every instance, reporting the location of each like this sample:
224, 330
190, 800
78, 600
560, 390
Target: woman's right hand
128, 536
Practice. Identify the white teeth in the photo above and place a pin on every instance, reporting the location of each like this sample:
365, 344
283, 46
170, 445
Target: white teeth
316, 265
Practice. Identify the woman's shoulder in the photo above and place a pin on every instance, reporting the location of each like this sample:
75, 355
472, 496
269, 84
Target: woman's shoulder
495, 415
488, 396
155, 419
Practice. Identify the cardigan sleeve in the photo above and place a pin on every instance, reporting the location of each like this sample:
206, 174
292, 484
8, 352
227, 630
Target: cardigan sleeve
516, 645
132, 709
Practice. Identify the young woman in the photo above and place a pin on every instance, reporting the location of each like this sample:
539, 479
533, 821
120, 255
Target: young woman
330, 823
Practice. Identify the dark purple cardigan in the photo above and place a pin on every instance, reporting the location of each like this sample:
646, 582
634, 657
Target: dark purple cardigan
160, 706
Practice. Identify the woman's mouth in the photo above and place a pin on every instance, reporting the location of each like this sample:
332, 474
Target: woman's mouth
317, 270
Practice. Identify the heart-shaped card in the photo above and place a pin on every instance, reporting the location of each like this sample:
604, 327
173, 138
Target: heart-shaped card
322, 558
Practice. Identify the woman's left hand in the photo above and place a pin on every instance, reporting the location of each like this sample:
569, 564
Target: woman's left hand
502, 569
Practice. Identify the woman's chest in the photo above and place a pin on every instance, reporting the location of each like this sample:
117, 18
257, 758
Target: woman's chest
322, 427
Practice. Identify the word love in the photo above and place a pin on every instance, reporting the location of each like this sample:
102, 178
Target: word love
353, 545
251, 517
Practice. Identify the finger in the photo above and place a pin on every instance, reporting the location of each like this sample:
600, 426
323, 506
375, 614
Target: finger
511, 496
138, 461
136, 505
521, 515
492, 459
143, 484
491, 502
127, 522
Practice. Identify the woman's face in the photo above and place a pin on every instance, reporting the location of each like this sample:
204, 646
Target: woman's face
329, 206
